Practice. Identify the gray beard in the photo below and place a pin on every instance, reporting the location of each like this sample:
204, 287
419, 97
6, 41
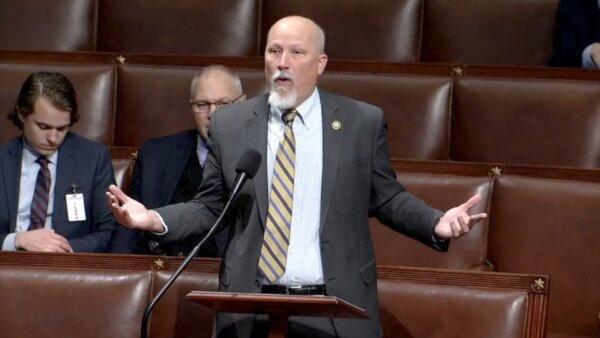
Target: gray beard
282, 101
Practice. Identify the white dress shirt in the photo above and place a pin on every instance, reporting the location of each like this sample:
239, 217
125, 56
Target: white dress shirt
304, 266
29, 173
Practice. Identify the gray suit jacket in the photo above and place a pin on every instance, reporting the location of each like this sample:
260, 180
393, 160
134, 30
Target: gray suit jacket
358, 182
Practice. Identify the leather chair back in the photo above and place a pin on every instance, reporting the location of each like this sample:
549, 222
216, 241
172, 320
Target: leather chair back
526, 121
94, 86
228, 27
496, 32
57, 25
551, 227
442, 192
50, 302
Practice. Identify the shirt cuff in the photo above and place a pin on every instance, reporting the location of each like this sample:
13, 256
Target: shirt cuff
9, 242
586, 58
162, 221
439, 243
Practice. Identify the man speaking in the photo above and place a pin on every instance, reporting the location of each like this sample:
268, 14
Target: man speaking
301, 225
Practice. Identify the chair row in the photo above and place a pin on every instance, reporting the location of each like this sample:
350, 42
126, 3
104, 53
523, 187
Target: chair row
500, 32
433, 113
497, 305
536, 225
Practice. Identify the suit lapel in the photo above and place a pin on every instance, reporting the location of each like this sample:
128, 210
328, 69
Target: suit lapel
332, 143
175, 167
65, 170
12, 178
257, 128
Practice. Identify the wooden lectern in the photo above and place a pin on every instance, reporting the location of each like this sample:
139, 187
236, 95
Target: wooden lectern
278, 307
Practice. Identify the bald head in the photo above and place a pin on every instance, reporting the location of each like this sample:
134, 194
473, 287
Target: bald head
299, 22
217, 73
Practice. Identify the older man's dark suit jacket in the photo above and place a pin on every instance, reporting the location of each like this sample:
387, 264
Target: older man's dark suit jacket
577, 26
160, 167
358, 182
81, 162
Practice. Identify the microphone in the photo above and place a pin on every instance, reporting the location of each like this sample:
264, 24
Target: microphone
246, 168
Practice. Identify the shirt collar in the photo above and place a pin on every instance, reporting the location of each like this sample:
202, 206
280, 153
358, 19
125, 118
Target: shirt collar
201, 143
30, 155
307, 111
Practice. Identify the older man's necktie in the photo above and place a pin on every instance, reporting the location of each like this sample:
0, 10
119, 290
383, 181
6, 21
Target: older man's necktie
273, 255
39, 204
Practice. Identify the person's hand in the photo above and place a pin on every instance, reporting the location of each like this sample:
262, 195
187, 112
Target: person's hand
131, 213
42, 240
457, 221
595, 53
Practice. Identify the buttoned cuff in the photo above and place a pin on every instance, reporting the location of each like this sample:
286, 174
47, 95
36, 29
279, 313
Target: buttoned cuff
9, 242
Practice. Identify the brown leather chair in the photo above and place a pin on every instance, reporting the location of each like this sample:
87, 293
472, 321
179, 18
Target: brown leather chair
452, 304
416, 109
94, 85
123, 162
495, 32
443, 192
228, 27
381, 30
58, 25
54, 301
156, 100
552, 227
176, 317
99, 295
526, 121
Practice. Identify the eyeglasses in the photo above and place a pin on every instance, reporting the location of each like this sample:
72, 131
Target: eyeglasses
204, 106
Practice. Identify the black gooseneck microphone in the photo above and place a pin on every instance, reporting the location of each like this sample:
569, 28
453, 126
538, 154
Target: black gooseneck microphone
246, 168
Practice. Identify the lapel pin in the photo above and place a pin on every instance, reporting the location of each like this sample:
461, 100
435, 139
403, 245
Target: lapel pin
336, 125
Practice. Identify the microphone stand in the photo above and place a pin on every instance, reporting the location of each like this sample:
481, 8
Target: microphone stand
192, 254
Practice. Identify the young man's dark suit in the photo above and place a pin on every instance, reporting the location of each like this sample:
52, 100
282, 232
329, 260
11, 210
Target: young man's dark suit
82, 163
577, 26
358, 182
167, 171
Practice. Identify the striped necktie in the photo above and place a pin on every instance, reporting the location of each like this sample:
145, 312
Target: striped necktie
39, 204
273, 254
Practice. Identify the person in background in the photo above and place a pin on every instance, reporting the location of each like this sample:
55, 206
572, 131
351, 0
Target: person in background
52, 181
169, 169
577, 34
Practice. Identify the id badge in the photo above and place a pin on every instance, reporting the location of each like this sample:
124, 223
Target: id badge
75, 207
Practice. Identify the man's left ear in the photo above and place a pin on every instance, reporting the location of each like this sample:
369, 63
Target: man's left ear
322, 63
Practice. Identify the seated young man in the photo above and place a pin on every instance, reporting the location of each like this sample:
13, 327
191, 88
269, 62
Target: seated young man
52, 181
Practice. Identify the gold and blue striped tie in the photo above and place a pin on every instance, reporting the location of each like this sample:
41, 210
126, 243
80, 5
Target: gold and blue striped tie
273, 254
